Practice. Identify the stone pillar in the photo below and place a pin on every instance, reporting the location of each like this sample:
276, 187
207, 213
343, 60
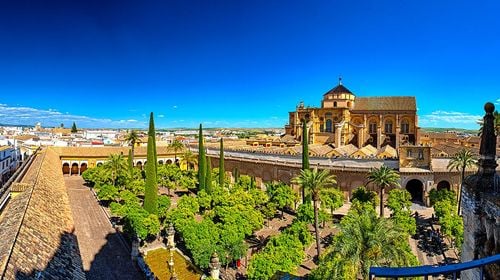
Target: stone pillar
170, 236
379, 137
480, 205
398, 127
214, 266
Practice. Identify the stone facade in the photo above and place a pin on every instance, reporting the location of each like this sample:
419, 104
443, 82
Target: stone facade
345, 119
481, 205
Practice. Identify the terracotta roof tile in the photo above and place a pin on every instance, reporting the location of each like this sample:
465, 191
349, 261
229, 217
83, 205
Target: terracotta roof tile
44, 245
338, 89
386, 103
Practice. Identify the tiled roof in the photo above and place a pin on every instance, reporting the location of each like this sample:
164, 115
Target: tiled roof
346, 150
338, 89
39, 227
386, 103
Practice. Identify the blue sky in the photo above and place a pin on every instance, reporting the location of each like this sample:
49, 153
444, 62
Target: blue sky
241, 63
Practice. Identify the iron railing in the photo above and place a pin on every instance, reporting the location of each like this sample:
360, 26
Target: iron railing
452, 270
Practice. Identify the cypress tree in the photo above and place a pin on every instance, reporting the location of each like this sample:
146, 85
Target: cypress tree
208, 177
305, 154
73, 128
252, 182
152, 132
221, 163
201, 161
151, 188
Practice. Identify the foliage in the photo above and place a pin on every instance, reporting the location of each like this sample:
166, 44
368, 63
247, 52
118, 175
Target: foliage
188, 158
73, 128
201, 161
399, 201
305, 213
443, 194
151, 188
300, 230
332, 198
281, 195
383, 177
107, 192
163, 206
365, 240
176, 145
132, 138
138, 221
117, 167
168, 176
362, 195
208, 176
221, 163
204, 200
462, 160
97, 176
282, 253
137, 187
199, 239
313, 181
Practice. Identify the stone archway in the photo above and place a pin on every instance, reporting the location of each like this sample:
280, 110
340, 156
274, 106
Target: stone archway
65, 168
169, 161
75, 169
416, 189
160, 162
443, 185
83, 167
139, 165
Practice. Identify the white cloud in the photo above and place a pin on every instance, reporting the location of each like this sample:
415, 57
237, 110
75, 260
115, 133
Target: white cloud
497, 101
174, 107
161, 116
29, 116
449, 118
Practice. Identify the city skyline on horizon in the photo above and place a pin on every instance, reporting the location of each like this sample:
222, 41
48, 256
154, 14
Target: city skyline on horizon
244, 64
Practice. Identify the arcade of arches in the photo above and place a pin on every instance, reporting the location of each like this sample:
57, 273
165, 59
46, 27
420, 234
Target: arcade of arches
349, 179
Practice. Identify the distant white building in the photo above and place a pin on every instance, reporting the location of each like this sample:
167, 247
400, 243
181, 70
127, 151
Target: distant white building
100, 134
9, 160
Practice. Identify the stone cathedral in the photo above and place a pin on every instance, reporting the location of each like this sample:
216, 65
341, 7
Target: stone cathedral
344, 118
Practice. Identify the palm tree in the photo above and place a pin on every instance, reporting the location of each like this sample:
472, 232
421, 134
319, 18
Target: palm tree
461, 160
177, 146
188, 158
314, 182
132, 138
383, 177
116, 164
364, 240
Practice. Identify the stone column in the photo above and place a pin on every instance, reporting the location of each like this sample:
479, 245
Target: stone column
170, 236
397, 132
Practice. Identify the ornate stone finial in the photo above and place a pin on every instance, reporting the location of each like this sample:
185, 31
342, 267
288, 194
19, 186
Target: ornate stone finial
174, 276
340, 80
171, 236
214, 266
171, 260
487, 151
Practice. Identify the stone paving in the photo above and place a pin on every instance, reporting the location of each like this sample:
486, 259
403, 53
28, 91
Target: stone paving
104, 254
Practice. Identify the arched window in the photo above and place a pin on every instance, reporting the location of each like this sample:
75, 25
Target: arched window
328, 125
388, 127
334, 103
372, 128
405, 127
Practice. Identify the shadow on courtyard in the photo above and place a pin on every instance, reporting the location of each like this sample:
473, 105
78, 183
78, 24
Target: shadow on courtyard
111, 262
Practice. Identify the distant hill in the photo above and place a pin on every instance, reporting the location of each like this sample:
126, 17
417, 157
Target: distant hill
440, 129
